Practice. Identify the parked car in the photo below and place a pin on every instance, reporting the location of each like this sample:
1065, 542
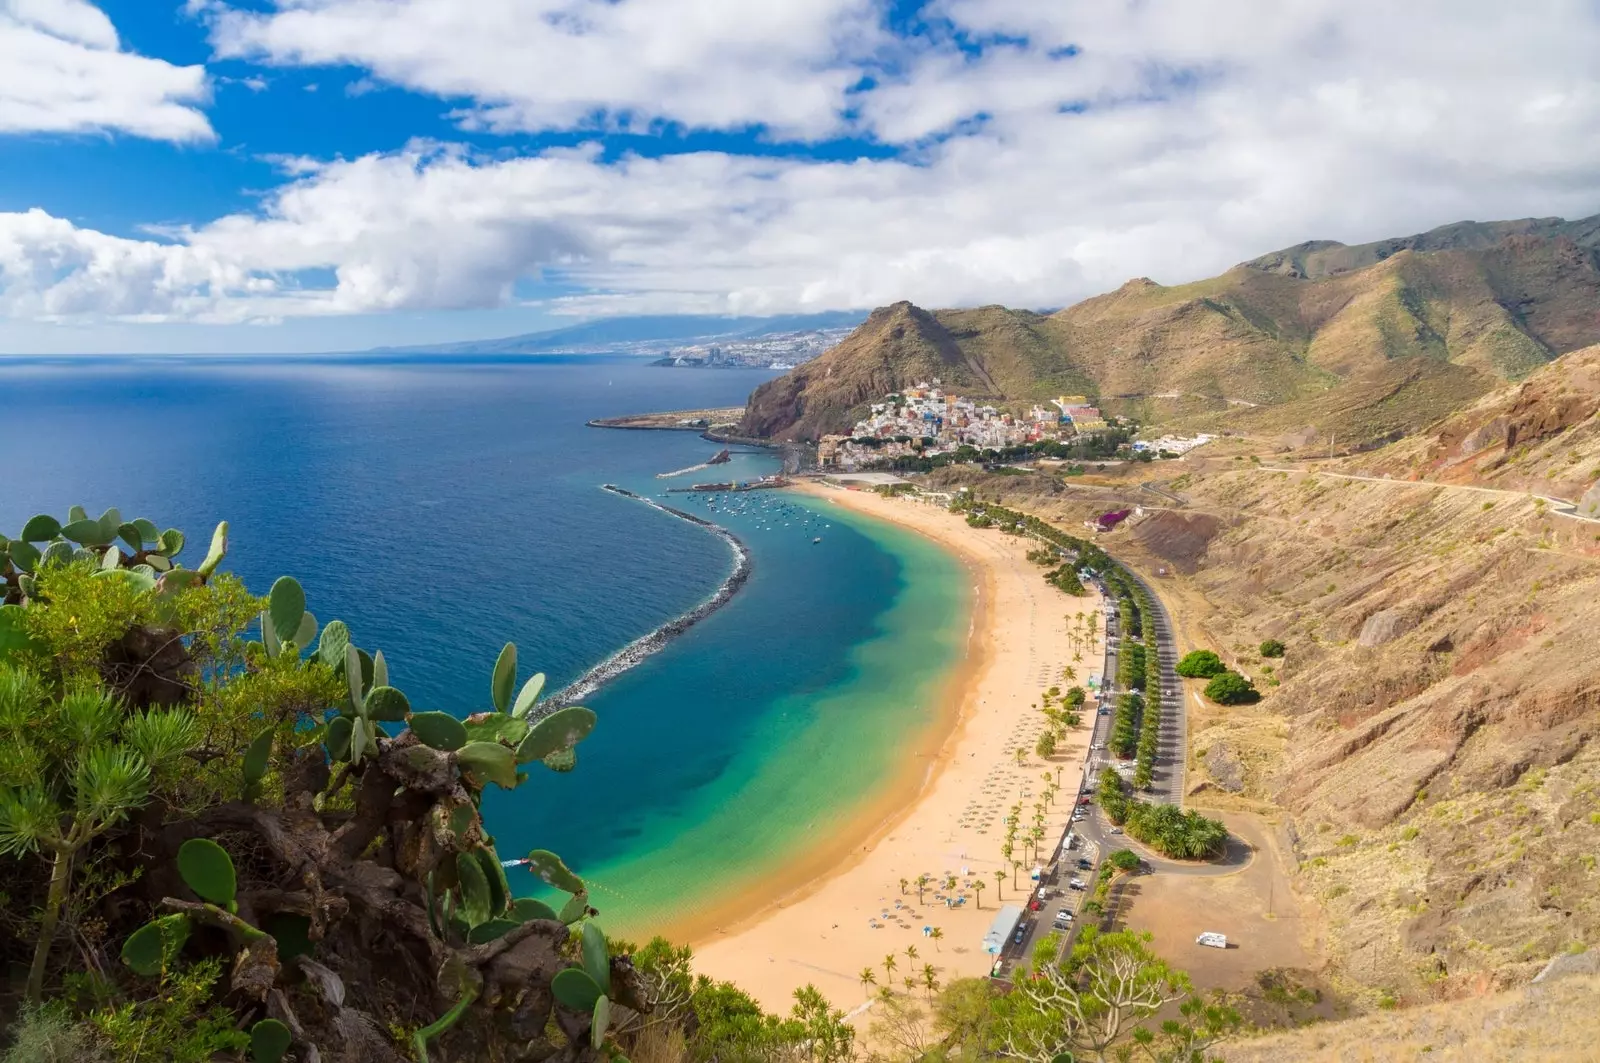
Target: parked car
1084, 865
1034, 906
1213, 939
1083, 800
1021, 935
1044, 893
1103, 712
1063, 917
1116, 830
1075, 886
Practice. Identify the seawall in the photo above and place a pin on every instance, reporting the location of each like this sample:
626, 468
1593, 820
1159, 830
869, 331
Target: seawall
640, 648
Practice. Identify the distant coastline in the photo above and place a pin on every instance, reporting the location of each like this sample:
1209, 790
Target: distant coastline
639, 649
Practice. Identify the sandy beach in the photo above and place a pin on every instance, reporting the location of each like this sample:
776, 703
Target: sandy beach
943, 817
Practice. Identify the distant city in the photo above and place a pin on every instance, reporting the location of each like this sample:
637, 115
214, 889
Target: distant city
779, 350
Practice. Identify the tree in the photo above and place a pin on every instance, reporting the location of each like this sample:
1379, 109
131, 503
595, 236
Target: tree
1090, 1003
1272, 648
922, 884
75, 766
1231, 688
1200, 664
1046, 746
1000, 878
911, 952
977, 889
867, 979
936, 935
903, 884
889, 964
930, 979
1124, 860
1021, 755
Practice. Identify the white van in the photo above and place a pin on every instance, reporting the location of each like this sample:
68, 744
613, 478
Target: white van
1213, 939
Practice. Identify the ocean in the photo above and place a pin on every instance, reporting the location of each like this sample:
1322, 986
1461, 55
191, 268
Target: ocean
443, 508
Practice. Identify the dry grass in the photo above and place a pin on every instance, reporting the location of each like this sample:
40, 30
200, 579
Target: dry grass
1537, 1023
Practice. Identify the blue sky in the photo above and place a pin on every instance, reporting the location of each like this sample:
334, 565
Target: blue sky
288, 175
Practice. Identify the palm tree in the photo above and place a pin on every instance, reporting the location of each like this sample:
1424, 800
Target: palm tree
867, 978
949, 882
1077, 657
889, 964
1016, 865
1071, 673
903, 884
909, 982
999, 879
977, 888
1021, 754
936, 935
922, 884
911, 952
930, 979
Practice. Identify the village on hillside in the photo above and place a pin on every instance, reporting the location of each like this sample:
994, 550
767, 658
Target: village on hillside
925, 421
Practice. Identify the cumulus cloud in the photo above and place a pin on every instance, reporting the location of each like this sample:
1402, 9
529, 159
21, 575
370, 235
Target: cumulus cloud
1050, 151
62, 70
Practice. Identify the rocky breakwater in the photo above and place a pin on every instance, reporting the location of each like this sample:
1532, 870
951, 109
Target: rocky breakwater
637, 650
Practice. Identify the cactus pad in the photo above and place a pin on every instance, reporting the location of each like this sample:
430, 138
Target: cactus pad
596, 960
505, 677
528, 696
387, 705
559, 731
286, 604
40, 529
524, 909
490, 761
149, 949
438, 730
552, 872
575, 989
208, 870
474, 886
269, 1041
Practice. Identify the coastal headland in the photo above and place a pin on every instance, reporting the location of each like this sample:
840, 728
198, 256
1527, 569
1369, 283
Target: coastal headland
829, 917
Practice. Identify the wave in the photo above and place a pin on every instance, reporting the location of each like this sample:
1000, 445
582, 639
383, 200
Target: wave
640, 648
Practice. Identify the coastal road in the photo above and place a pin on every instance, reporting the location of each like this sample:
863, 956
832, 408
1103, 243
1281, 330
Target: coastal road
1560, 507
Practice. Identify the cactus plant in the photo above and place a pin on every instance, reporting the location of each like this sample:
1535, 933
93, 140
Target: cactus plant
476, 898
575, 989
151, 949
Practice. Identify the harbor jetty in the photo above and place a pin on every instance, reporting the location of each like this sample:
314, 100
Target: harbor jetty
637, 650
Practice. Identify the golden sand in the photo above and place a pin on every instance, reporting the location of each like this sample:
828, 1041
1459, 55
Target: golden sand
840, 908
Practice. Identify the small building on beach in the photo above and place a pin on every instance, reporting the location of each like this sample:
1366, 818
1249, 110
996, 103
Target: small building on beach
1000, 931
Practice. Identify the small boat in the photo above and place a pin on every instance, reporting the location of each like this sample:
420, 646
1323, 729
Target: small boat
817, 540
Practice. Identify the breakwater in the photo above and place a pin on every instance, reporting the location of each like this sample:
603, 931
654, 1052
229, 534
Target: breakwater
640, 648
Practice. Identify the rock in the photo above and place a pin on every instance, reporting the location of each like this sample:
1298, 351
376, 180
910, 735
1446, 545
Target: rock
1568, 964
1589, 504
1225, 767
1383, 626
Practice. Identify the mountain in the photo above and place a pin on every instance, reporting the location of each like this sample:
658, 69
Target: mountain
1373, 340
647, 334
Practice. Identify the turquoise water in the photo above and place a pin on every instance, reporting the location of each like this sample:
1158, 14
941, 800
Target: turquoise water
442, 509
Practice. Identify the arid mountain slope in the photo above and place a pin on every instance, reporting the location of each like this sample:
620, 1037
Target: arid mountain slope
1431, 732
1385, 344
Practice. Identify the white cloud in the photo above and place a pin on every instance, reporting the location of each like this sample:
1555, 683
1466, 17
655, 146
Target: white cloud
62, 70
1212, 132
534, 64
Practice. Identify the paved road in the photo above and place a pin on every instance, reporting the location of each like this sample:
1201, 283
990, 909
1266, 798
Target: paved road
1561, 507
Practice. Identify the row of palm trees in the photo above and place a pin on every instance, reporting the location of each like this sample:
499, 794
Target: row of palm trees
927, 977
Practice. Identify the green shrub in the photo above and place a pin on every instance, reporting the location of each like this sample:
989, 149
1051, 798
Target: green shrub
1231, 688
1201, 664
1272, 648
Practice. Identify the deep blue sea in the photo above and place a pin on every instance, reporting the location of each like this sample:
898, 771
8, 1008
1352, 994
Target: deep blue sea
442, 509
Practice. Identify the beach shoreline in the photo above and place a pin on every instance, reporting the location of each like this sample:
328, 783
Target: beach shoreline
823, 918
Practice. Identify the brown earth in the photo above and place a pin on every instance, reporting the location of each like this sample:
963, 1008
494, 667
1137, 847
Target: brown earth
1429, 737
1369, 343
